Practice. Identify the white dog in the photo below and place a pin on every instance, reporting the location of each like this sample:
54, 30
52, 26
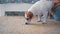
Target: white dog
40, 8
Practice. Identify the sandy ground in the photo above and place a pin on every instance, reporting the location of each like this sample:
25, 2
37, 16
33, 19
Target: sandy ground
16, 25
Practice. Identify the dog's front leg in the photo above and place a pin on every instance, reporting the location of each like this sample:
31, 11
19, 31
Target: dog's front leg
39, 18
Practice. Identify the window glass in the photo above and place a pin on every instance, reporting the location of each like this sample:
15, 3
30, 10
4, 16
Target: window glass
17, 1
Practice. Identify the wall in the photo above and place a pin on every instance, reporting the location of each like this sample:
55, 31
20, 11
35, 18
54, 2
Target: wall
2, 9
17, 7
13, 7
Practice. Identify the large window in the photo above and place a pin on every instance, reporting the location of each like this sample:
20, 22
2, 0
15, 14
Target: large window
14, 13
17, 1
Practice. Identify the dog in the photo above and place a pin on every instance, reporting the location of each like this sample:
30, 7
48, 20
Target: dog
41, 9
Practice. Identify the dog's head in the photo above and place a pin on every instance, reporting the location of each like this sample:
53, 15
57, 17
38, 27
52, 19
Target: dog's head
28, 15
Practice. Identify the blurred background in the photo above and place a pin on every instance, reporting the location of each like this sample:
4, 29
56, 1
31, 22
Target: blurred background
15, 7
17, 1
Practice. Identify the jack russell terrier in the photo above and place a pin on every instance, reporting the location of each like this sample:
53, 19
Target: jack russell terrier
41, 9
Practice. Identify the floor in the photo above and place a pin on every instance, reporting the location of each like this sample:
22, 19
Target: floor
16, 25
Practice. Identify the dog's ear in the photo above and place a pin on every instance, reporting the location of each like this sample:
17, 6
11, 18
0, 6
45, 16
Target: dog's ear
29, 14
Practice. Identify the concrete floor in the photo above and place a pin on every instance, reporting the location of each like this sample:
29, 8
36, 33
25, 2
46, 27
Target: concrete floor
16, 25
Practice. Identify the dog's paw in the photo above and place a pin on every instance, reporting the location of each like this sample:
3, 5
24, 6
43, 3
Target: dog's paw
44, 23
39, 21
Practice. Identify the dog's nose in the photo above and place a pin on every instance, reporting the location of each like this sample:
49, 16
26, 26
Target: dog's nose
26, 23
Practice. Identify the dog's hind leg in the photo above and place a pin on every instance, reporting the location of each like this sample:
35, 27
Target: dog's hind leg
45, 17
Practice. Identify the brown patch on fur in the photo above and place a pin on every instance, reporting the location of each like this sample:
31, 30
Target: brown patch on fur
29, 14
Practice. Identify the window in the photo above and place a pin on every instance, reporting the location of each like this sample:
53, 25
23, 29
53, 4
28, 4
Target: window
9, 13
17, 1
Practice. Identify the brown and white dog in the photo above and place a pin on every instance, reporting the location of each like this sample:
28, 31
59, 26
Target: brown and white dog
41, 9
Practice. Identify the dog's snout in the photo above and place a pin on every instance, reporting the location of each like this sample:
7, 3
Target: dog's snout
27, 18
